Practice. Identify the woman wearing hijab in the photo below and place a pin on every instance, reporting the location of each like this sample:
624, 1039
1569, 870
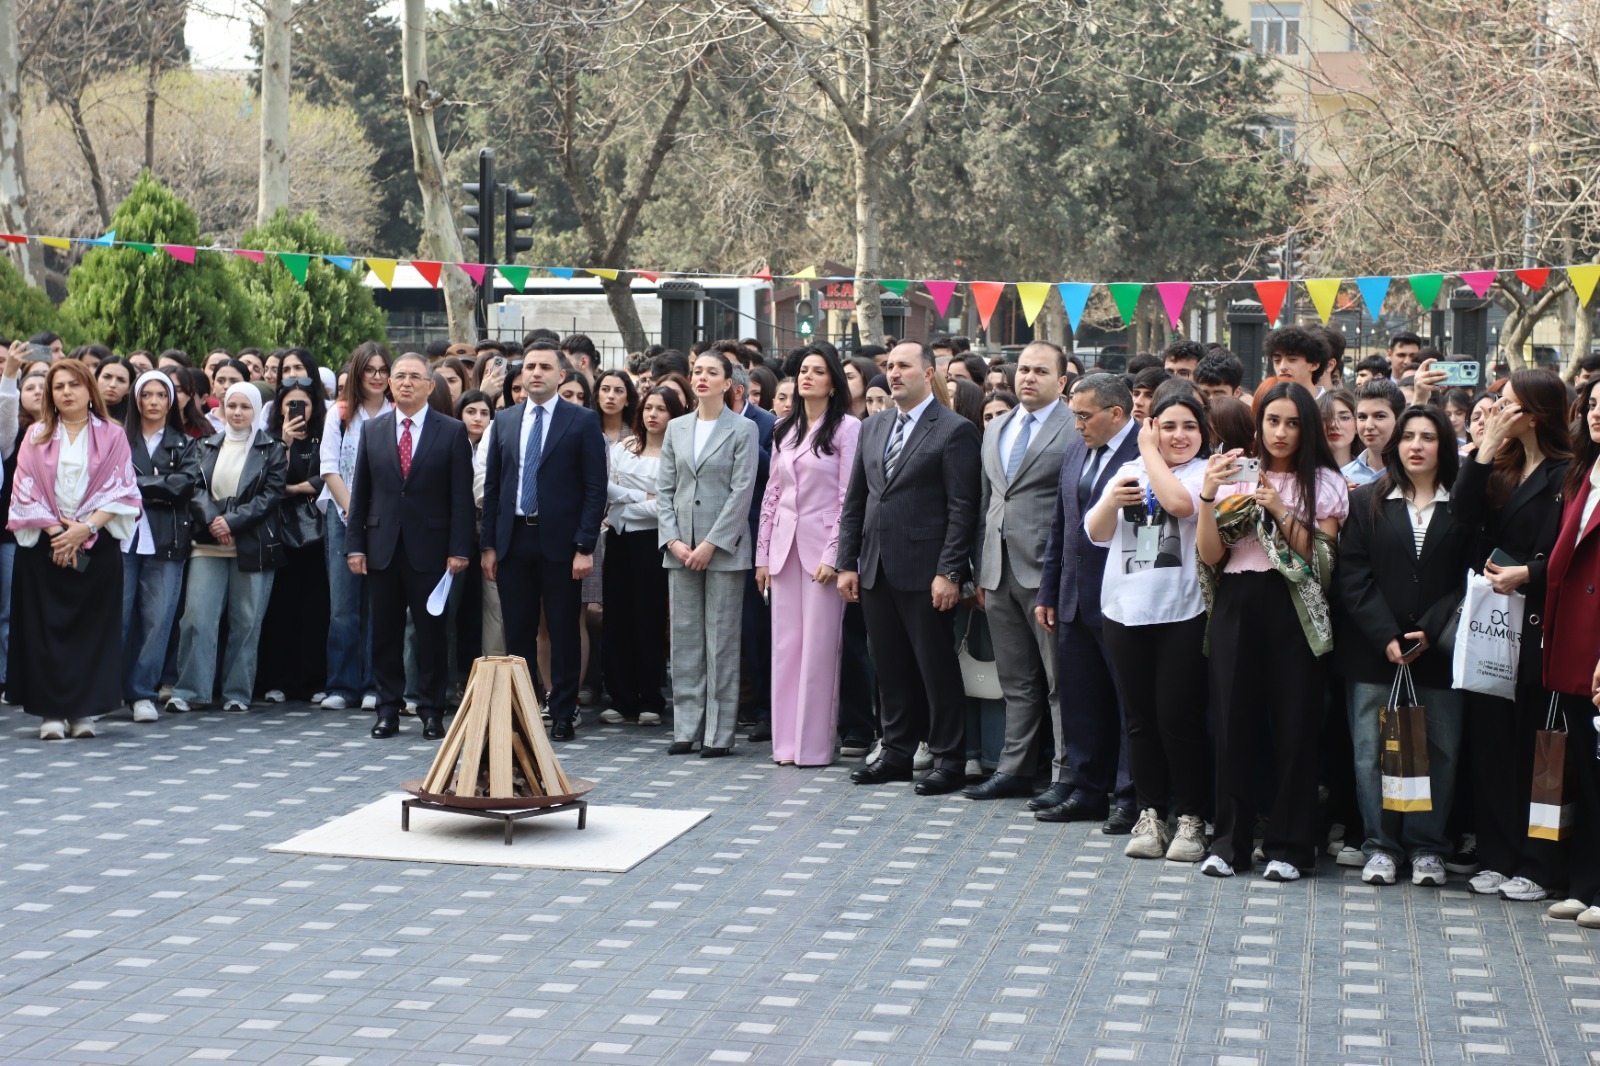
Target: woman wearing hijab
166, 466
237, 547
75, 486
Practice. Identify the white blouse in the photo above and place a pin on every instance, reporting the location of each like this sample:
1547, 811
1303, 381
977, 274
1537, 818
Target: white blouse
630, 488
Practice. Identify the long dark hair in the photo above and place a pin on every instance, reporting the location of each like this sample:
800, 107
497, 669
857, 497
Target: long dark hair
838, 408
1189, 401
675, 409
1542, 397
630, 404
1313, 455
1584, 449
356, 371
278, 416
124, 407
133, 425
966, 401
318, 412
193, 415
1394, 468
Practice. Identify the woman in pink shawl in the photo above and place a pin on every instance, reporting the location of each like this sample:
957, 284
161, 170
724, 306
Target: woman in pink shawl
75, 497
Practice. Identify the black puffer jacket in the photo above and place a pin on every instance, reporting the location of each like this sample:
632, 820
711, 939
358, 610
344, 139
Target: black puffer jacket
251, 512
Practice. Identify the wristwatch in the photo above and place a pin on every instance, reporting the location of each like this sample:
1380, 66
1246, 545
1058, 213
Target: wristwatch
954, 577
94, 530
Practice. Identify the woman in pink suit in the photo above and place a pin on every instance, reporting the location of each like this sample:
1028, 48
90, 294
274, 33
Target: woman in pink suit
813, 448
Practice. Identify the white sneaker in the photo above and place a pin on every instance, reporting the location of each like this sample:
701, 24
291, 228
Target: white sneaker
611, 717
1214, 866
974, 768
409, 709
1428, 870
1259, 854
237, 706
1348, 856
80, 727
923, 759
176, 705
1567, 909
1278, 870
275, 695
1487, 883
369, 702
52, 729
1589, 919
333, 703
1189, 843
1379, 870
1150, 836
145, 711
1518, 888
876, 753
649, 718
318, 697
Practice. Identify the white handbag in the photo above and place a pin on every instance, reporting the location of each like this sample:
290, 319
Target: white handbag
1488, 640
980, 679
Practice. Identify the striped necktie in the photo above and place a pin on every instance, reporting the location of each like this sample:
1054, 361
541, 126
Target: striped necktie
897, 441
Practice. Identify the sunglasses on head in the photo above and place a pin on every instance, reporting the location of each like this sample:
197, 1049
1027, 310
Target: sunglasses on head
294, 383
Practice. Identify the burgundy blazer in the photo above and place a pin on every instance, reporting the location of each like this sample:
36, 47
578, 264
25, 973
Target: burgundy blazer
1572, 602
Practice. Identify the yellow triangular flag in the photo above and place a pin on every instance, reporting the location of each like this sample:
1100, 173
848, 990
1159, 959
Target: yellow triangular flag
1583, 279
602, 272
56, 242
384, 268
1323, 291
808, 272
1033, 295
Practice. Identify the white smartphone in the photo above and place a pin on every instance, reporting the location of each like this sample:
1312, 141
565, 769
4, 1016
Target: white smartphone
1249, 471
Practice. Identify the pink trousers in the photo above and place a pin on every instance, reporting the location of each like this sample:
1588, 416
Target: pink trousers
807, 628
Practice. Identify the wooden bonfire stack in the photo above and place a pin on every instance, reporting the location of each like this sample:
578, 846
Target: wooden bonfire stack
497, 747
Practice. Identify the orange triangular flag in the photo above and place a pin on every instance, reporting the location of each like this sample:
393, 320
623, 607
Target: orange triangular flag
986, 294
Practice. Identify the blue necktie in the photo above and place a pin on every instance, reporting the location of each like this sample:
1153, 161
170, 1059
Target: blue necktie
1019, 447
530, 464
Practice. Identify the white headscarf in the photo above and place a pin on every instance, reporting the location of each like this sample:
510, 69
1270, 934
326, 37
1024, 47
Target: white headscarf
145, 379
251, 393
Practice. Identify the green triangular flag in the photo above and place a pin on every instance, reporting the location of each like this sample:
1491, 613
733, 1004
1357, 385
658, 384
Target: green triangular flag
147, 249
897, 287
1126, 295
1426, 288
296, 263
517, 276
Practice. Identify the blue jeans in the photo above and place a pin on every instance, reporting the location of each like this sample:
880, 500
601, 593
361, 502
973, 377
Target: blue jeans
1412, 833
8, 556
150, 588
217, 585
349, 627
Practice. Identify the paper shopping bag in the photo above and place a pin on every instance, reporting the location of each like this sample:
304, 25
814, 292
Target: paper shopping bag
1488, 640
1403, 751
1548, 817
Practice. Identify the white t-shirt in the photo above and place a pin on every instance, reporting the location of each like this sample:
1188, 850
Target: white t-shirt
702, 434
1151, 591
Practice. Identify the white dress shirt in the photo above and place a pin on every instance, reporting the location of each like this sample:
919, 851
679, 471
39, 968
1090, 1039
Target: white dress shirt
911, 423
416, 427
522, 445
1008, 436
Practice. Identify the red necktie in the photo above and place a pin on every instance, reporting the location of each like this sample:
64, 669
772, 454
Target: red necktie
405, 447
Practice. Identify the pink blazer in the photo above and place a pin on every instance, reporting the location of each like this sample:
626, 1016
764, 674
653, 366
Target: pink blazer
805, 492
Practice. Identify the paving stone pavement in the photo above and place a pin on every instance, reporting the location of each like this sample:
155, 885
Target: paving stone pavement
808, 921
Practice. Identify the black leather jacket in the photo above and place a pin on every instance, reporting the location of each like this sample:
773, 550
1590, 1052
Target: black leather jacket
167, 482
252, 511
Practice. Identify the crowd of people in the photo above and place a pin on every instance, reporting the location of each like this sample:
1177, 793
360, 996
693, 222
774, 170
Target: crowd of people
1144, 598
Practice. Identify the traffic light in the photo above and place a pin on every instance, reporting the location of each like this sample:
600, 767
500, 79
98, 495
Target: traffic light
805, 319
482, 212
516, 223
1290, 260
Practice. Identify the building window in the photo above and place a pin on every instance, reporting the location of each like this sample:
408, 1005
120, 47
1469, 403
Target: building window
1361, 26
1275, 28
1275, 131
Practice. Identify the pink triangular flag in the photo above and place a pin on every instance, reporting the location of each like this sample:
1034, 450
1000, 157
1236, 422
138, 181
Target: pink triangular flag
1174, 294
253, 256
941, 291
475, 271
1479, 281
184, 253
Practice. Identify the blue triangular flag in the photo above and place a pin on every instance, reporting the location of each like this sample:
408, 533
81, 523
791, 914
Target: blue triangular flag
1373, 291
1075, 295
343, 262
565, 273
101, 242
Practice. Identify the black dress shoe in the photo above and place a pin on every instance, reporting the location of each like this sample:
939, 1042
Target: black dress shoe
999, 786
681, 747
941, 781
1120, 823
761, 732
432, 728
879, 773
566, 729
715, 753
1071, 811
1054, 796
386, 728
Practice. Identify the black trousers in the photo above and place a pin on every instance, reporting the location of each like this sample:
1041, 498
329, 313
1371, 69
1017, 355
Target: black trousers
1264, 679
858, 682
634, 584
755, 640
912, 648
1162, 677
1502, 734
527, 581
1093, 728
394, 590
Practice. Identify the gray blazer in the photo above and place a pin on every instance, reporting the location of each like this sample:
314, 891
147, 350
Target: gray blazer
1017, 513
709, 500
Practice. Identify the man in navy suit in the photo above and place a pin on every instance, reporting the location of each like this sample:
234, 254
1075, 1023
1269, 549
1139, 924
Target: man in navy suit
756, 623
411, 518
1068, 605
544, 493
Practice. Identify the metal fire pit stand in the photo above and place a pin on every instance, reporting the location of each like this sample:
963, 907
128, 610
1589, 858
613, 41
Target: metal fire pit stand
510, 818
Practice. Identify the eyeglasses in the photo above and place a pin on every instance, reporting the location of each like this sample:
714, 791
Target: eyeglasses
1084, 416
376, 371
294, 383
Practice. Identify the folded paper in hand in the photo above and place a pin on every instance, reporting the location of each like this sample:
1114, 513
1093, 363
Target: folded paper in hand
440, 596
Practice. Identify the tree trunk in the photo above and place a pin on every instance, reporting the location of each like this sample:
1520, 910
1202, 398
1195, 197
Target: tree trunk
1052, 321
150, 96
1517, 330
619, 296
13, 175
440, 238
97, 181
1582, 336
869, 246
273, 186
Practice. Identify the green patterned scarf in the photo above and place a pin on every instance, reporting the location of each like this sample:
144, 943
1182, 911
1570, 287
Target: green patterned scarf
1239, 517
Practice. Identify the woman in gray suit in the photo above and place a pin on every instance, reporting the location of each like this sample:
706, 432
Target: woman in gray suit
707, 477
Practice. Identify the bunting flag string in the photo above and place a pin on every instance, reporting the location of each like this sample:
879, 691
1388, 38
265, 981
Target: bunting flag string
1373, 292
1583, 279
1075, 298
1425, 287
1174, 294
941, 291
986, 295
1032, 294
1272, 295
1126, 296
1323, 292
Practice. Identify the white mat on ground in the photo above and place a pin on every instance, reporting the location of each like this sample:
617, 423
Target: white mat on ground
615, 840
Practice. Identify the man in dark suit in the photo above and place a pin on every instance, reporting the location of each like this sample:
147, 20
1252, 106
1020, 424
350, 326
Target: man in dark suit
411, 519
905, 546
756, 623
1071, 571
544, 493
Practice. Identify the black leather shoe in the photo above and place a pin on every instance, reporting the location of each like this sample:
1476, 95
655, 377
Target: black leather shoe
999, 786
1120, 823
880, 773
1054, 796
715, 753
566, 729
432, 728
760, 733
1071, 811
681, 747
386, 728
941, 781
